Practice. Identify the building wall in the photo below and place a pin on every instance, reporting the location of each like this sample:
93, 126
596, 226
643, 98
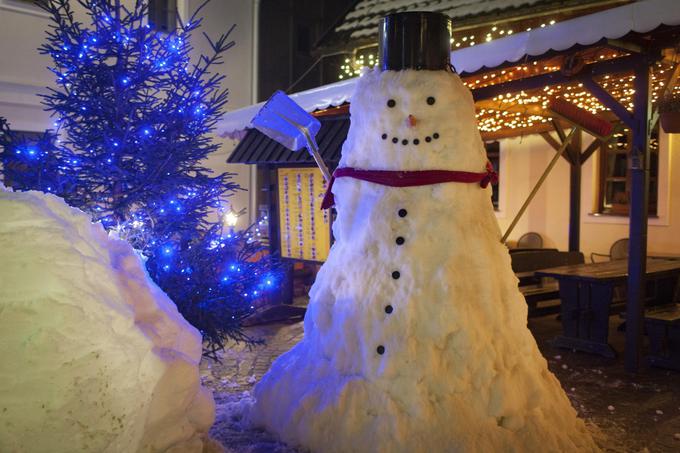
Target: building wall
23, 71
523, 160
218, 17
289, 30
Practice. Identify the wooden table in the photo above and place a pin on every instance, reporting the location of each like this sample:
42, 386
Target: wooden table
586, 292
664, 255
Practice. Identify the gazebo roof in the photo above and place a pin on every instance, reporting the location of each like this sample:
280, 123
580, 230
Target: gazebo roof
591, 31
360, 24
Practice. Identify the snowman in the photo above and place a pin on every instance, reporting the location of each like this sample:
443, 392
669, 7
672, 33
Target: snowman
416, 334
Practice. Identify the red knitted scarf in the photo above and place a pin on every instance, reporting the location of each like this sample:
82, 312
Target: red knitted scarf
409, 178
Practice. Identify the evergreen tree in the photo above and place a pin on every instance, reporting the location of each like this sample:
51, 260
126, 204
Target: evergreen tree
134, 117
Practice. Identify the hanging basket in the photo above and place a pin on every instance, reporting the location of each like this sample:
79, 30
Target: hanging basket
670, 121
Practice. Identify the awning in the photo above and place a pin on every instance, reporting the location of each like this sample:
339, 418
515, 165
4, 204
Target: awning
320, 98
615, 23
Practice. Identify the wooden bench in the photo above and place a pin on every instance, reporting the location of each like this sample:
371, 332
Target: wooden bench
663, 329
542, 294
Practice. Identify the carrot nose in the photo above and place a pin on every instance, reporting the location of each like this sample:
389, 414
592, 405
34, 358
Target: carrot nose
411, 121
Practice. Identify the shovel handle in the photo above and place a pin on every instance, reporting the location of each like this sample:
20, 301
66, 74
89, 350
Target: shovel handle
538, 184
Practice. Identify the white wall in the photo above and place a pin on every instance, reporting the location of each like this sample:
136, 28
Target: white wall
219, 16
23, 71
523, 160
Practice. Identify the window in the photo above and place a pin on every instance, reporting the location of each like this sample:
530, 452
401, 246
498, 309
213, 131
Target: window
163, 15
493, 153
615, 177
304, 38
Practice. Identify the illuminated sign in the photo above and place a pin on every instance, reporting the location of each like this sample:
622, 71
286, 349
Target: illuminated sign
304, 227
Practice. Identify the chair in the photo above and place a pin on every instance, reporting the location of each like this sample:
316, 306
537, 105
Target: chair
530, 241
541, 293
618, 251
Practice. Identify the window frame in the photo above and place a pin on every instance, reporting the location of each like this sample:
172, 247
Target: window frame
166, 11
604, 206
493, 154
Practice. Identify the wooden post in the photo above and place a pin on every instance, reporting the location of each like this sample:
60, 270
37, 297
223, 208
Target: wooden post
575, 193
639, 198
272, 185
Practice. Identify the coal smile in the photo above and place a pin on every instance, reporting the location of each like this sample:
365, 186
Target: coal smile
415, 141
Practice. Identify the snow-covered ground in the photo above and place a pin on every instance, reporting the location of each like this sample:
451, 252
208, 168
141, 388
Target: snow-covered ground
624, 413
232, 381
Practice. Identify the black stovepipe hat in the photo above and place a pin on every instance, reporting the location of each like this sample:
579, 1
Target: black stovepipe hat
415, 40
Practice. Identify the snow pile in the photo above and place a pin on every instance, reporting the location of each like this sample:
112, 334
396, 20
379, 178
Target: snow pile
95, 357
415, 336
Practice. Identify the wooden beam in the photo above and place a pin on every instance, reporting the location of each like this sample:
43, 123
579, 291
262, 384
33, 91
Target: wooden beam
590, 150
672, 79
551, 141
608, 100
510, 133
667, 90
612, 66
575, 203
560, 133
638, 217
626, 46
575, 147
555, 144
525, 109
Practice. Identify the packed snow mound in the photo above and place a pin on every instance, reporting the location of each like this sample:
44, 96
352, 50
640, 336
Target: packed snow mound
416, 335
95, 357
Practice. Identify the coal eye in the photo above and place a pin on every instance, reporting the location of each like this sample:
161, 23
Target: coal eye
391, 103
430, 100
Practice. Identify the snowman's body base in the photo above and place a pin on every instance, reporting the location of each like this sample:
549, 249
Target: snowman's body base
416, 344
460, 370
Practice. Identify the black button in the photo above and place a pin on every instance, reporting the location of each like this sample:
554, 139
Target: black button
416, 141
400, 240
391, 103
381, 349
396, 275
389, 309
384, 136
402, 213
395, 139
435, 135
404, 142
428, 139
430, 100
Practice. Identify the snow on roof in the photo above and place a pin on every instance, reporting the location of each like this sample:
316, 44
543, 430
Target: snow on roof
325, 96
586, 30
640, 17
363, 20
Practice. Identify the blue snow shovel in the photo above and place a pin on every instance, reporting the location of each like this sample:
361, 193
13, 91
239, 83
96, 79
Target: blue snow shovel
284, 121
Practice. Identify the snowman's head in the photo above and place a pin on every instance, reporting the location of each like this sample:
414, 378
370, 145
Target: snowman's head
413, 120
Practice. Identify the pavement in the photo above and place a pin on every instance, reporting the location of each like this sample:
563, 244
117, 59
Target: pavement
625, 412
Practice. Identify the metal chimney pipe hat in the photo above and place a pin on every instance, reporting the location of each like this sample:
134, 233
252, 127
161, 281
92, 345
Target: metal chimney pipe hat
415, 40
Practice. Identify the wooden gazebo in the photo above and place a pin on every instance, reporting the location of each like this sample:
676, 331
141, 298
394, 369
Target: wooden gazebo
617, 63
